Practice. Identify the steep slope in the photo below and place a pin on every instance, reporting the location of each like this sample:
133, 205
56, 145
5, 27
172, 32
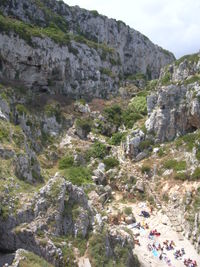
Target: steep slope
49, 46
174, 107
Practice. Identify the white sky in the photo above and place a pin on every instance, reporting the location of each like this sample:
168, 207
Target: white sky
172, 24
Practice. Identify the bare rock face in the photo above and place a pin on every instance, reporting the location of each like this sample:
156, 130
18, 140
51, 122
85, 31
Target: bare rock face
98, 52
174, 109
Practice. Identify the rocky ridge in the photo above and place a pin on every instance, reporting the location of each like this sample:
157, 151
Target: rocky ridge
71, 50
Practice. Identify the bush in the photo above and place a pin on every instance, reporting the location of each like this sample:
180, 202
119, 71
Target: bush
165, 197
4, 131
161, 152
182, 176
52, 110
66, 162
116, 138
110, 163
196, 174
130, 117
85, 124
146, 169
105, 71
166, 78
78, 175
127, 210
98, 150
21, 109
139, 105
114, 114
145, 144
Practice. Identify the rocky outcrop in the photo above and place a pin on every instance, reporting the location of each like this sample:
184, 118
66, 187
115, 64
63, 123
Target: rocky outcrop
174, 109
58, 209
89, 64
27, 167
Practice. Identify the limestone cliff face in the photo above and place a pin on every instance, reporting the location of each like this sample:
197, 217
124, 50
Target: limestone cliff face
99, 53
174, 109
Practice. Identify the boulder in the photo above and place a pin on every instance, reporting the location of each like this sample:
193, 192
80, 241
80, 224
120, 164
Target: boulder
140, 186
132, 144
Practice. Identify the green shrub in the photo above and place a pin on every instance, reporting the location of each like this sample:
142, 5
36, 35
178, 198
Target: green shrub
66, 162
85, 124
196, 174
146, 169
137, 76
145, 144
110, 163
27, 31
139, 105
4, 211
161, 152
175, 165
116, 138
52, 110
165, 197
78, 175
127, 210
113, 114
198, 153
94, 13
130, 117
4, 131
98, 150
151, 85
191, 58
166, 78
31, 259
98, 256
21, 109
107, 72
181, 176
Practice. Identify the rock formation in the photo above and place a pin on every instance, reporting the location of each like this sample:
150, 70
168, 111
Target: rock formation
76, 52
174, 108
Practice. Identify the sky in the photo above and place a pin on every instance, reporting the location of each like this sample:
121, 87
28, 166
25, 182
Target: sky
172, 24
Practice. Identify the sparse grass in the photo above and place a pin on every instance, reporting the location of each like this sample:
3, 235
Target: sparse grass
193, 58
193, 79
31, 260
175, 165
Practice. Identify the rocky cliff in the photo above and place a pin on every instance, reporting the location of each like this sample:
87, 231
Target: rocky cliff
49, 46
174, 108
